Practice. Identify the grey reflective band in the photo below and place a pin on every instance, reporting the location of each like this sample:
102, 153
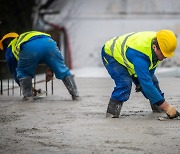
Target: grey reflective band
113, 44
122, 49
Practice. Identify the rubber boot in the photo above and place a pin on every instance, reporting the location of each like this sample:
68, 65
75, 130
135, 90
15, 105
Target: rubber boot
26, 87
155, 108
70, 84
114, 109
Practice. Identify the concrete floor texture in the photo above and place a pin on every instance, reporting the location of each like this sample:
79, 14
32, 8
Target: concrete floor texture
56, 124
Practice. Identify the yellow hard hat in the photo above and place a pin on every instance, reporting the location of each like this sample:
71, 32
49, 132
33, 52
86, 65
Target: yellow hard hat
167, 42
9, 35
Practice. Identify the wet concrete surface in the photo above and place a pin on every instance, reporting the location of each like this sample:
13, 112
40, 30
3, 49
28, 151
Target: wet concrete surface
56, 124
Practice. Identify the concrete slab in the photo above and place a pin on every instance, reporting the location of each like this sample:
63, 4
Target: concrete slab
56, 124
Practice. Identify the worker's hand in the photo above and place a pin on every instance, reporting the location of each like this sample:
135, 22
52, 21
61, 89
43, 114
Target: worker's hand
36, 91
49, 75
172, 112
169, 110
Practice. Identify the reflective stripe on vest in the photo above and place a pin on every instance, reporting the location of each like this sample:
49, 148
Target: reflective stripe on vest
16, 43
117, 48
113, 44
122, 50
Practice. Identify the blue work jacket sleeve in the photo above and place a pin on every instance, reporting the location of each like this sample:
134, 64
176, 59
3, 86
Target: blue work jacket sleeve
141, 65
12, 64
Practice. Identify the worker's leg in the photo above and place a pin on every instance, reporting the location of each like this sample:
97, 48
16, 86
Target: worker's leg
28, 60
70, 84
138, 88
123, 84
55, 61
26, 87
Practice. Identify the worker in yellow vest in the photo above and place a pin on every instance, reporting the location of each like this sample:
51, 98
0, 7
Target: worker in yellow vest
133, 57
25, 51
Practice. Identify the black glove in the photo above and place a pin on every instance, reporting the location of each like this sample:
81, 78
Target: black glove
138, 88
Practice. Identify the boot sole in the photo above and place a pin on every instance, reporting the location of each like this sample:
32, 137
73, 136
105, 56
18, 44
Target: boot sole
109, 115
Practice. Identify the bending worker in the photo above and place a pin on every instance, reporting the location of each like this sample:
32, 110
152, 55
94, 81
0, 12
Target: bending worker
23, 54
133, 58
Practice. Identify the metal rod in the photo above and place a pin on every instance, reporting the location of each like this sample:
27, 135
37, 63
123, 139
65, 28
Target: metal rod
1, 78
35, 82
12, 87
46, 81
8, 86
52, 90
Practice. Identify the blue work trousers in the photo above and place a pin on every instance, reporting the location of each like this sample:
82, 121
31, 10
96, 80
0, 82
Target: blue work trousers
123, 80
41, 50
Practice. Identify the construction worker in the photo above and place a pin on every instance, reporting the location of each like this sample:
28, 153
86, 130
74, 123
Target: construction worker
133, 57
25, 51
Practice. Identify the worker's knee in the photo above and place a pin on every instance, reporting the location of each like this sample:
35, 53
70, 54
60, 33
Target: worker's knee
121, 96
124, 97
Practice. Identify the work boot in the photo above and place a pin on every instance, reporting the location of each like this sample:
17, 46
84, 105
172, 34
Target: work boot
114, 109
28, 99
70, 84
155, 108
26, 87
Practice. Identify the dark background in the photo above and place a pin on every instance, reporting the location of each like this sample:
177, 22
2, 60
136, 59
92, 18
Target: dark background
15, 16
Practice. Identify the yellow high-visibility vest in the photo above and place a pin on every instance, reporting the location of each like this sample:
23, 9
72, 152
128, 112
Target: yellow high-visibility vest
24, 37
140, 41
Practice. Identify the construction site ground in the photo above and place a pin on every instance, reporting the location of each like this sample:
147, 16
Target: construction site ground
56, 124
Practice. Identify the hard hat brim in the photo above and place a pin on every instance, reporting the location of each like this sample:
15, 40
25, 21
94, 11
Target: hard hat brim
1, 46
9, 35
168, 55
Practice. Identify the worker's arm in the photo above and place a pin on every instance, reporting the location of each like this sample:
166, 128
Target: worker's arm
12, 64
141, 64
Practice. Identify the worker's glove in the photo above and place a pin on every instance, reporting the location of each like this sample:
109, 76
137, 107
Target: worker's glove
171, 112
49, 75
38, 92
